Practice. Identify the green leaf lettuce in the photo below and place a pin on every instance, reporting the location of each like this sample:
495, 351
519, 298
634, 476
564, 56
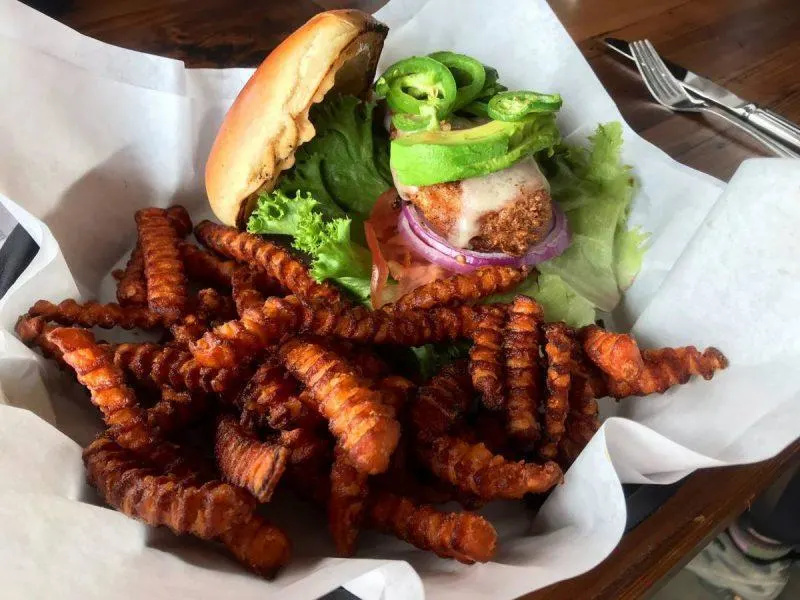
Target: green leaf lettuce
326, 241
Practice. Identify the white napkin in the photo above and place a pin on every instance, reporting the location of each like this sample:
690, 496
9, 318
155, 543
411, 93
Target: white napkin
93, 132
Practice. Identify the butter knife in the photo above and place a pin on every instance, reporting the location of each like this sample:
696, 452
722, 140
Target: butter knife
771, 123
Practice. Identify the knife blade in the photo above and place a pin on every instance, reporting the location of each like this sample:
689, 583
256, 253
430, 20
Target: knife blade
769, 122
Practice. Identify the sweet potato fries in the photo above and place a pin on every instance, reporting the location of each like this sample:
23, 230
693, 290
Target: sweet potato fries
266, 381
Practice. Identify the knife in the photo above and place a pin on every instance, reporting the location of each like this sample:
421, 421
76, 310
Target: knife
764, 119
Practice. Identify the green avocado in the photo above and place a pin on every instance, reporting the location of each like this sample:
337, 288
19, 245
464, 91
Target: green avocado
429, 157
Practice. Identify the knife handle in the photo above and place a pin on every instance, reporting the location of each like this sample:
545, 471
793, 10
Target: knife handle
773, 124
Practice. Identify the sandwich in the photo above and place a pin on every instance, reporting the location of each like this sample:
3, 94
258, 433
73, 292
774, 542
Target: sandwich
431, 168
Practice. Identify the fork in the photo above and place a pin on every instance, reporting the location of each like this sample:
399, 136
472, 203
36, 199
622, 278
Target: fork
668, 92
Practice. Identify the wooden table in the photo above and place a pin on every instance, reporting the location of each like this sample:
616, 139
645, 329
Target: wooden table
751, 46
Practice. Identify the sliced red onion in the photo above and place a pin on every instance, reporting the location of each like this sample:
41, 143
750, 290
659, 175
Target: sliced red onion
430, 254
551, 246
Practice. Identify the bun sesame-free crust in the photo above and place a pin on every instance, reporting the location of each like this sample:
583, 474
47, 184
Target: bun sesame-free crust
335, 50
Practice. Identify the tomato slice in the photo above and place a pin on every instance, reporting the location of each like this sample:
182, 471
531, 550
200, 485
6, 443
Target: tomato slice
391, 255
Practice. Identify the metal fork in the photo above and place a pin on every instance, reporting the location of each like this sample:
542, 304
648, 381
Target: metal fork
668, 92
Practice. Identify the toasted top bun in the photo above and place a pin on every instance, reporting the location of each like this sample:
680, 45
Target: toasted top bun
335, 50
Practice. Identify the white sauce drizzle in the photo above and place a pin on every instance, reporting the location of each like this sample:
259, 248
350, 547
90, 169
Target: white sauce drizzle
492, 192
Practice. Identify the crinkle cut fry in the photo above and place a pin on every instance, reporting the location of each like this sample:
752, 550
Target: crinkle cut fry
207, 305
442, 402
277, 262
96, 370
247, 462
163, 267
617, 354
180, 220
131, 288
93, 314
466, 537
258, 544
394, 391
473, 468
666, 367
523, 336
206, 267
158, 366
460, 289
561, 350
346, 504
272, 398
131, 485
363, 425
486, 361
240, 340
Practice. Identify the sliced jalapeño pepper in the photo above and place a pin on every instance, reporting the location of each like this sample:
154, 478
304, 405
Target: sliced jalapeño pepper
426, 121
513, 106
417, 82
470, 75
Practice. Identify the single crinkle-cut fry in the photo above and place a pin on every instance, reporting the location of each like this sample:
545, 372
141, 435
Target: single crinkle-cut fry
96, 370
486, 360
460, 289
522, 338
261, 546
163, 267
346, 504
474, 468
275, 261
94, 314
442, 401
560, 349
248, 462
466, 537
617, 354
364, 426
158, 366
200, 264
131, 485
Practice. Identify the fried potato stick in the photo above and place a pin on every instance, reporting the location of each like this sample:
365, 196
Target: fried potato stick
180, 220
363, 425
95, 369
466, 537
94, 314
258, 544
347, 502
486, 361
460, 289
442, 402
247, 462
666, 367
130, 485
521, 343
475, 469
275, 261
163, 267
158, 366
560, 349
206, 267
617, 354
394, 391
131, 287
208, 305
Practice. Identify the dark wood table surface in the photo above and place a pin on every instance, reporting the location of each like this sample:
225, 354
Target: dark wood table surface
750, 46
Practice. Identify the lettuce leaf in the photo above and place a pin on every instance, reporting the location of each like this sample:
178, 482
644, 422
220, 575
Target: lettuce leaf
327, 242
345, 166
595, 189
558, 300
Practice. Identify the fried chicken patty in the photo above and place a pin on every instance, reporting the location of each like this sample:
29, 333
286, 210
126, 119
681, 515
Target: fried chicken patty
506, 211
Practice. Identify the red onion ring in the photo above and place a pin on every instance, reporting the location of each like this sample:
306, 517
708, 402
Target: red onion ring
438, 251
432, 255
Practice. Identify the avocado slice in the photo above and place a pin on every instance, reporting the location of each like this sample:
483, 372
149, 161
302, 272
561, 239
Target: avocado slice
429, 157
